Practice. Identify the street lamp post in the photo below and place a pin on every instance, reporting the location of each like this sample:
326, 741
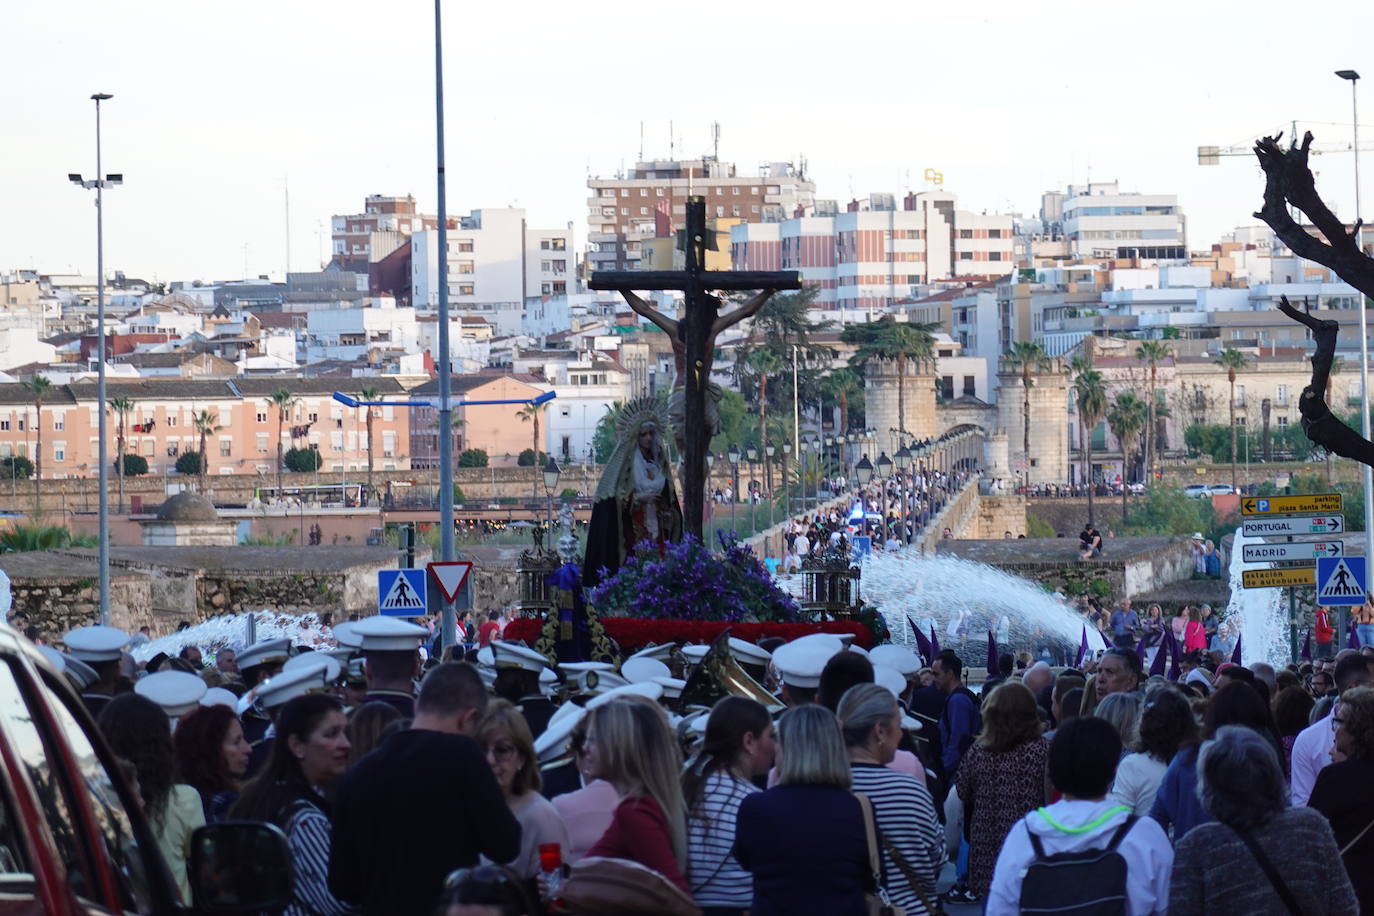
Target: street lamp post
884, 467
786, 487
733, 456
769, 450
863, 473
99, 184
551, 474
752, 454
1367, 474
903, 461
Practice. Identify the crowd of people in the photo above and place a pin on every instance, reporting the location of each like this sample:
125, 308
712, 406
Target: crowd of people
407, 784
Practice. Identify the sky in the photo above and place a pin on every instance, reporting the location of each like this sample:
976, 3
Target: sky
219, 109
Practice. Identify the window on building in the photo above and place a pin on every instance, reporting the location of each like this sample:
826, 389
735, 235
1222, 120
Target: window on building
59, 451
59, 421
559, 287
994, 255
546, 289
262, 416
1283, 421
465, 267
608, 192
734, 211
720, 212
624, 211
336, 441
465, 289
754, 208
994, 233
643, 192
4, 425
966, 256
658, 192
624, 192
226, 447
965, 233
947, 387
262, 443
735, 191
149, 448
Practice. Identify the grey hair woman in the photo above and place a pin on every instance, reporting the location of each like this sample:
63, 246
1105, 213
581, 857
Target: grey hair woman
1122, 710
1224, 866
871, 722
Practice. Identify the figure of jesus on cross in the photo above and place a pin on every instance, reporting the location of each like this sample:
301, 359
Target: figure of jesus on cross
694, 337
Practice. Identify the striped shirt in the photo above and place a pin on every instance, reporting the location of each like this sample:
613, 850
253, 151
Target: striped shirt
307, 833
905, 816
714, 875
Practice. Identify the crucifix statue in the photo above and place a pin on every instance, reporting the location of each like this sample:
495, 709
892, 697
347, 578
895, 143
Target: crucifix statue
694, 336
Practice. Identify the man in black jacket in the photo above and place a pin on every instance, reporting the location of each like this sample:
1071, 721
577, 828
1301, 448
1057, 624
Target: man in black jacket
421, 805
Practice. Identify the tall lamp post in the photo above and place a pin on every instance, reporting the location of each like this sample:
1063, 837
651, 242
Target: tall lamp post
863, 473
733, 456
786, 487
551, 474
752, 454
903, 462
884, 467
1367, 474
99, 184
769, 450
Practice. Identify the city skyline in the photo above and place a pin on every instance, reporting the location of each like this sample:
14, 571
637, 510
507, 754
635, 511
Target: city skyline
214, 115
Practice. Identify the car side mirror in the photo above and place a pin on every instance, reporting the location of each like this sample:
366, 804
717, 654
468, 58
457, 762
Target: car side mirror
240, 867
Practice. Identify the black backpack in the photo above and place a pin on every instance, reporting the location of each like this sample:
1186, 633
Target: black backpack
1090, 882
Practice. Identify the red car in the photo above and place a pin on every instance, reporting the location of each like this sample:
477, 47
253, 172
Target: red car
73, 839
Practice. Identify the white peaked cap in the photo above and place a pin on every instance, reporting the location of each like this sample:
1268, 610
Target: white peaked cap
288, 685
517, 655
218, 696
639, 670
389, 634
648, 689
672, 686
801, 665
897, 657
265, 652
695, 653
96, 643
889, 678
661, 652
553, 743
748, 652
177, 692
345, 635
332, 667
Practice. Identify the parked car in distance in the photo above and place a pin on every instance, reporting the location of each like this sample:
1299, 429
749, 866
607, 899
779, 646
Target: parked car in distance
1220, 489
1200, 490
1195, 490
73, 838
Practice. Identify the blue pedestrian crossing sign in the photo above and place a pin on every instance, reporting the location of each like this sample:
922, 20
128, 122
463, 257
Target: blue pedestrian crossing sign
401, 592
1341, 580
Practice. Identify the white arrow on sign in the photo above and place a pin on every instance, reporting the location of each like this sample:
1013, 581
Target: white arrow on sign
1297, 524
450, 576
1302, 550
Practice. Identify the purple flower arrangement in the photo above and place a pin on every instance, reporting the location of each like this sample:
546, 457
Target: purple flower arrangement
688, 581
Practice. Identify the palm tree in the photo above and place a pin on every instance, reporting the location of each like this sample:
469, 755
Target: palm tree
39, 387
207, 424
1091, 394
369, 393
841, 385
284, 401
1028, 358
1127, 418
531, 412
764, 363
887, 338
1233, 361
1152, 353
122, 406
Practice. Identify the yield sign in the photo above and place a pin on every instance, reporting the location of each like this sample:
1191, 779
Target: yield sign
450, 576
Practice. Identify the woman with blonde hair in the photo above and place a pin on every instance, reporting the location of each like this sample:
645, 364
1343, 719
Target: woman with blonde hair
505, 736
1088, 706
1003, 776
630, 745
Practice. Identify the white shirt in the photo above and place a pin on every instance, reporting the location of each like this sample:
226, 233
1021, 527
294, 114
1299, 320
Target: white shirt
1137, 782
1311, 752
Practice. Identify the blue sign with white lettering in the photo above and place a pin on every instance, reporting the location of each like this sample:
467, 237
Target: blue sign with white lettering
1341, 580
401, 592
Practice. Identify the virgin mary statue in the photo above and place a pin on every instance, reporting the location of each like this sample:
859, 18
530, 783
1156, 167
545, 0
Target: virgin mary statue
636, 500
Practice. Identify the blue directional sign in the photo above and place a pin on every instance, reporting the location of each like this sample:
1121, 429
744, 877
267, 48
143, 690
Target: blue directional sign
1341, 580
401, 592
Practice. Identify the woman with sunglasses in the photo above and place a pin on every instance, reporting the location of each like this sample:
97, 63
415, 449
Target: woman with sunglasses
505, 737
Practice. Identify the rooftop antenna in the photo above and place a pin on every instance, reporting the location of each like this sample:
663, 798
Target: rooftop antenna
715, 140
641, 140
672, 147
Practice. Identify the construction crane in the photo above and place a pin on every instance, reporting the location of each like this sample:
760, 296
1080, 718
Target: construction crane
1211, 155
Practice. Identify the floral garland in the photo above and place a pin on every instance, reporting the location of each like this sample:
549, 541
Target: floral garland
688, 581
631, 633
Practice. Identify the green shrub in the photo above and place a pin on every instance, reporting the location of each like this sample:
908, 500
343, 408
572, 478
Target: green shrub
303, 460
189, 463
528, 459
17, 467
134, 466
472, 458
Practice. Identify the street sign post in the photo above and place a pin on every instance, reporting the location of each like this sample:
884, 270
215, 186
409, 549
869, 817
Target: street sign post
1341, 580
401, 592
1290, 505
1278, 578
1261, 526
1300, 550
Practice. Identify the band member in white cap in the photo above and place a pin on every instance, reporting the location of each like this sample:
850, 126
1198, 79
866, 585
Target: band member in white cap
257, 663
100, 647
518, 668
391, 660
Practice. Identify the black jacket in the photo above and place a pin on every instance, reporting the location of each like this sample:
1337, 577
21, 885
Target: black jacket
421, 805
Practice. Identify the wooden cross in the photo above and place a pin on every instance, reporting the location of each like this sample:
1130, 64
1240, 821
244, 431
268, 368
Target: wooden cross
694, 336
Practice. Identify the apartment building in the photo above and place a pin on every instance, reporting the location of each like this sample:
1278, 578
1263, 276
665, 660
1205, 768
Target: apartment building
1100, 220
359, 239
875, 254
161, 426
495, 262
626, 210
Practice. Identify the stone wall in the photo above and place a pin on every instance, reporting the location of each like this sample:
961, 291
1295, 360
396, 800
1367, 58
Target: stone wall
997, 515
1049, 421
60, 595
882, 398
